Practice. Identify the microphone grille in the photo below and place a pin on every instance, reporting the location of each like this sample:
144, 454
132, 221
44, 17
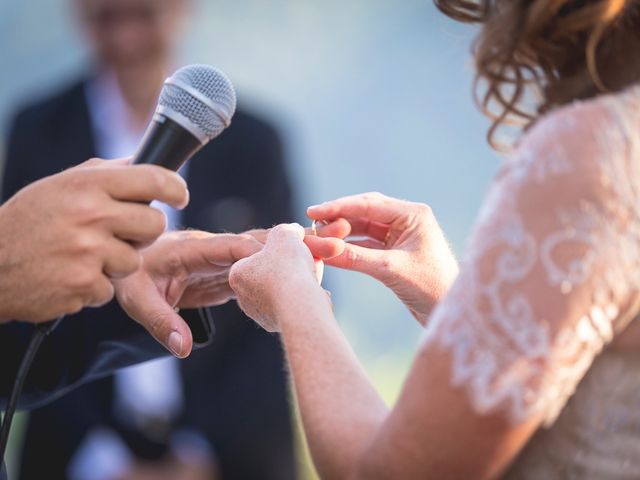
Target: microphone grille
202, 97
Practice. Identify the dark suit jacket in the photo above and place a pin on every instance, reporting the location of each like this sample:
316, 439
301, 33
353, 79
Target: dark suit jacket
235, 389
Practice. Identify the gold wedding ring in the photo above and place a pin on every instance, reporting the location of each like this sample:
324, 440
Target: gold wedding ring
314, 226
386, 238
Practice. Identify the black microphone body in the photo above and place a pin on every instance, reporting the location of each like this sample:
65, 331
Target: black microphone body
167, 144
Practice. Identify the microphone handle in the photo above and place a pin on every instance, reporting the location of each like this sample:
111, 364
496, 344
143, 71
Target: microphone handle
166, 144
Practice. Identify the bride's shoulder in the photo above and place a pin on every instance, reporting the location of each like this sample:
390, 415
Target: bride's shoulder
580, 124
582, 136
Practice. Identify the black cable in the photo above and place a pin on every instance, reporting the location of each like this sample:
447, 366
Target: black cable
38, 336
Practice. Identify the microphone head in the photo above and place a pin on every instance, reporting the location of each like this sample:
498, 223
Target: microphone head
201, 99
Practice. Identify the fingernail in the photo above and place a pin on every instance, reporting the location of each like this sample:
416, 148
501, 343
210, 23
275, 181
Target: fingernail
188, 199
181, 178
175, 344
314, 207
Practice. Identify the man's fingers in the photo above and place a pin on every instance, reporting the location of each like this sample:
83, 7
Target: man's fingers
373, 206
99, 162
101, 292
144, 304
121, 260
92, 163
144, 183
243, 246
200, 252
137, 223
324, 248
260, 234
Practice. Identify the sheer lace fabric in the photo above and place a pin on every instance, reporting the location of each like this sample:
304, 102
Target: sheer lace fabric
552, 271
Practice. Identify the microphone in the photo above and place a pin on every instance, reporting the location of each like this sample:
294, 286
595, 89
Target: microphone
196, 104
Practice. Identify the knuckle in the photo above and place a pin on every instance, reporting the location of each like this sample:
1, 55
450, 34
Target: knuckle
234, 278
157, 177
375, 195
154, 223
131, 261
386, 264
84, 280
74, 305
87, 243
92, 162
135, 260
157, 222
103, 292
244, 237
173, 263
86, 207
156, 325
351, 257
424, 210
237, 276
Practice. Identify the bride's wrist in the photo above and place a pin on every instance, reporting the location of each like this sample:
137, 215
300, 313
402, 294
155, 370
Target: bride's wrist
296, 299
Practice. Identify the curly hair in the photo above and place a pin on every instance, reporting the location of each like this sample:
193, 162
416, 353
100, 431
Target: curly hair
534, 55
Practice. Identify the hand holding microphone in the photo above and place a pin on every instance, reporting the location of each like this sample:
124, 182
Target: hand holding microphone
63, 238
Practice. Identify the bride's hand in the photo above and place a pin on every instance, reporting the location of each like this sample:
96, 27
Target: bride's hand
283, 271
401, 245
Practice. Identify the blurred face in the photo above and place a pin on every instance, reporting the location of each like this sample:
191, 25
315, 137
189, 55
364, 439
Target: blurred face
130, 33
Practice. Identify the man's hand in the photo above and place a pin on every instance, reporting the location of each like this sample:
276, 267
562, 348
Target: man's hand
185, 269
190, 269
64, 238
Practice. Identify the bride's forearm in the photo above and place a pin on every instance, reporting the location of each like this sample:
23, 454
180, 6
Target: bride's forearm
340, 409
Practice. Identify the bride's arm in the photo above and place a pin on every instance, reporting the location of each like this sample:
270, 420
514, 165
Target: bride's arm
348, 427
552, 263
340, 409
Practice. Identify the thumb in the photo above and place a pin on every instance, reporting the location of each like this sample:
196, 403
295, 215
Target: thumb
148, 307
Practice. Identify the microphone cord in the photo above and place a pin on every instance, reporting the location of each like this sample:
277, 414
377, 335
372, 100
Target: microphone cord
37, 338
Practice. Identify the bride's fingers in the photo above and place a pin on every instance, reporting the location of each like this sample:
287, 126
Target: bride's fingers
373, 206
363, 227
373, 262
373, 244
324, 248
339, 228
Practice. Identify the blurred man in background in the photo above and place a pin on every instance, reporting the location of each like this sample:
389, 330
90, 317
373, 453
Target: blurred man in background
223, 413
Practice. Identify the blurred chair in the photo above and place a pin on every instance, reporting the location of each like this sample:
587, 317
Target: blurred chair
223, 413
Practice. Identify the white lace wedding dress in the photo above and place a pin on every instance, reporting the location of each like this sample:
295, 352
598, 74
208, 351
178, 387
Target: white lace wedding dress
541, 320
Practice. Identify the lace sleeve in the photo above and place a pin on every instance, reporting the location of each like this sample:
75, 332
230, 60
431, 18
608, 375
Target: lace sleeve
552, 268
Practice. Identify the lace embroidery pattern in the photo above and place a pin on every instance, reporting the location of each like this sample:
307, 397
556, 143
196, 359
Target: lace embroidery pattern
539, 298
